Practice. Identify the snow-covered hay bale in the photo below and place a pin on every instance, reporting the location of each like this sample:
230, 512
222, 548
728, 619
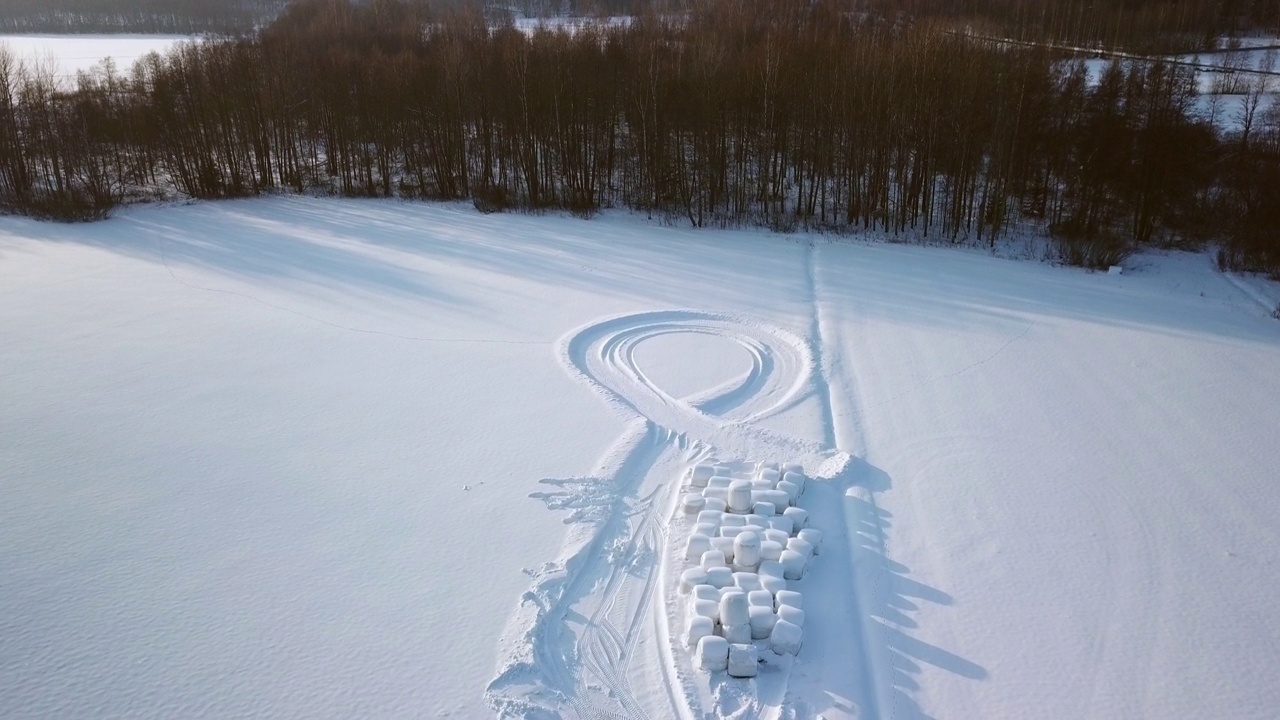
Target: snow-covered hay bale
690, 578
711, 559
793, 565
692, 504
758, 485
707, 592
721, 577
795, 478
709, 609
770, 476
743, 660
699, 627
791, 489
758, 519
725, 546
762, 621
717, 504
747, 582
716, 493
740, 497
774, 585
783, 524
712, 654
764, 509
720, 481
791, 598
799, 517
813, 536
762, 597
776, 535
731, 531
770, 550
734, 608
800, 546
786, 638
794, 467
746, 549
772, 568
696, 546
793, 615
737, 633
700, 474
731, 520
709, 516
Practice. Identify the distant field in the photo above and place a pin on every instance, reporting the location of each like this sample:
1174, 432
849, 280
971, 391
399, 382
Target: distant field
71, 53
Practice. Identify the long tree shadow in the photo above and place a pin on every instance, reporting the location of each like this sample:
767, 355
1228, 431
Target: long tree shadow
888, 599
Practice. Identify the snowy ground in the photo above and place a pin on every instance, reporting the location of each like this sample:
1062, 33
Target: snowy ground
70, 53
328, 458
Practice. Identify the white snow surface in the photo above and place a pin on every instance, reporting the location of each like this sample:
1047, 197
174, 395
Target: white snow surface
338, 458
71, 53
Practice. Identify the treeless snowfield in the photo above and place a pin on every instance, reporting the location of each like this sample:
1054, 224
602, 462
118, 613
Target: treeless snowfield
330, 458
71, 53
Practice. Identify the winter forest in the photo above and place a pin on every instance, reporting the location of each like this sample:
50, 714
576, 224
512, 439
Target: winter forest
944, 121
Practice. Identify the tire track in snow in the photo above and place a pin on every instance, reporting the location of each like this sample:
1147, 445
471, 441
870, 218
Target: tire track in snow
574, 639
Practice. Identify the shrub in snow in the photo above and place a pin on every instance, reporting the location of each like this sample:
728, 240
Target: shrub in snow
713, 654
785, 638
698, 628
762, 620
742, 660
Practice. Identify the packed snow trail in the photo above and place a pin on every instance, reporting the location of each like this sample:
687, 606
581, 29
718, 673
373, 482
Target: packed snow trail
598, 616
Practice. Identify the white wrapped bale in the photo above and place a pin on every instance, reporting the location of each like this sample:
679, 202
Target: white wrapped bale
758, 485
731, 520
764, 509
791, 598
743, 660
763, 598
800, 546
712, 559
709, 609
708, 516
720, 577
785, 639
691, 577
692, 504
699, 627
740, 497
772, 568
795, 478
757, 529
707, 592
794, 467
725, 546
730, 531
783, 524
746, 549
770, 550
712, 654
700, 474
734, 609
791, 489
779, 498
747, 582
737, 633
793, 565
770, 476
762, 621
720, 481
696, 546
813, 536
779, 536
774, 585
717, 504
707, 529
716, 493
793, 615
757, 519
799, 518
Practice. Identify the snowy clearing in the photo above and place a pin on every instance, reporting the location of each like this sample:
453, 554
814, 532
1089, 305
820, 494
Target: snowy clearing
332, 458
72, 53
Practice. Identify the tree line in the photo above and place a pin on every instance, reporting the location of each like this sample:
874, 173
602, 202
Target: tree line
784, 113
144, 16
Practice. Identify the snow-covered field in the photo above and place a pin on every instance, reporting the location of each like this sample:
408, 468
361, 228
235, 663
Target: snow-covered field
71, 53
330, 458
